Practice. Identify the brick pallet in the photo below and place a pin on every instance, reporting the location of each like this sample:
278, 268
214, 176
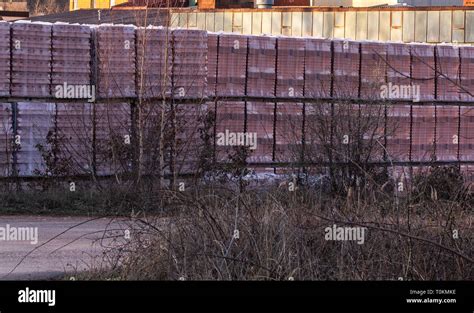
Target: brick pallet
71, 55
346, 69
189, 63
4, 59
31, 60
317, 68
116, 66
154, 62
290, 67
232, 67
261, 66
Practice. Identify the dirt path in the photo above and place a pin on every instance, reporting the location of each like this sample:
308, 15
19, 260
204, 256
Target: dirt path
75, 250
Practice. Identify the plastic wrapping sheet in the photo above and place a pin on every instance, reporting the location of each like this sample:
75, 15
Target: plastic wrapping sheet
4, 59
116, 61
423, 70
31, 60
346, 69
373, 69
467, 70
190, 147
260, 117
447, 141
212, 50
290, 67
448, 73
317, 68
423, 133
35, 122
113, 124
74, 127
154, 62
71, 55
289, 132
261, 66
372, 131
317, 132
398, 65
232, 66
466, 136
398, 132
189, 64
230, 117
6, 139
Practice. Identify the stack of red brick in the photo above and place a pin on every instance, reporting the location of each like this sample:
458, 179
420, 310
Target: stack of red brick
116, 55
467, 68
4, 59
318, 68
6, 144
346, 69
447, 71
423, 70
154, 62
31, 59
290, 67
399, 69
232, 65
189, 63
71, 55
373, 69
212, 50
261, 66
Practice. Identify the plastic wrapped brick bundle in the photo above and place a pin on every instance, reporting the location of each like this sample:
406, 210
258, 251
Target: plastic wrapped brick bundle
447, 68
317, 131
373, 69
423, 133
71, 55
372, 130
189, 75
290, 67
116, 61
466, 136
230, 119
212, 50
189, 121
423, 70
467, 68
260, 127
7, 135
154, 62
31, 59
35, 122
261, 66
289, 132
113, 127
317, 68
232, 65
74, 124
398, 132
447, 141
4, 59
398, 67
346, 69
